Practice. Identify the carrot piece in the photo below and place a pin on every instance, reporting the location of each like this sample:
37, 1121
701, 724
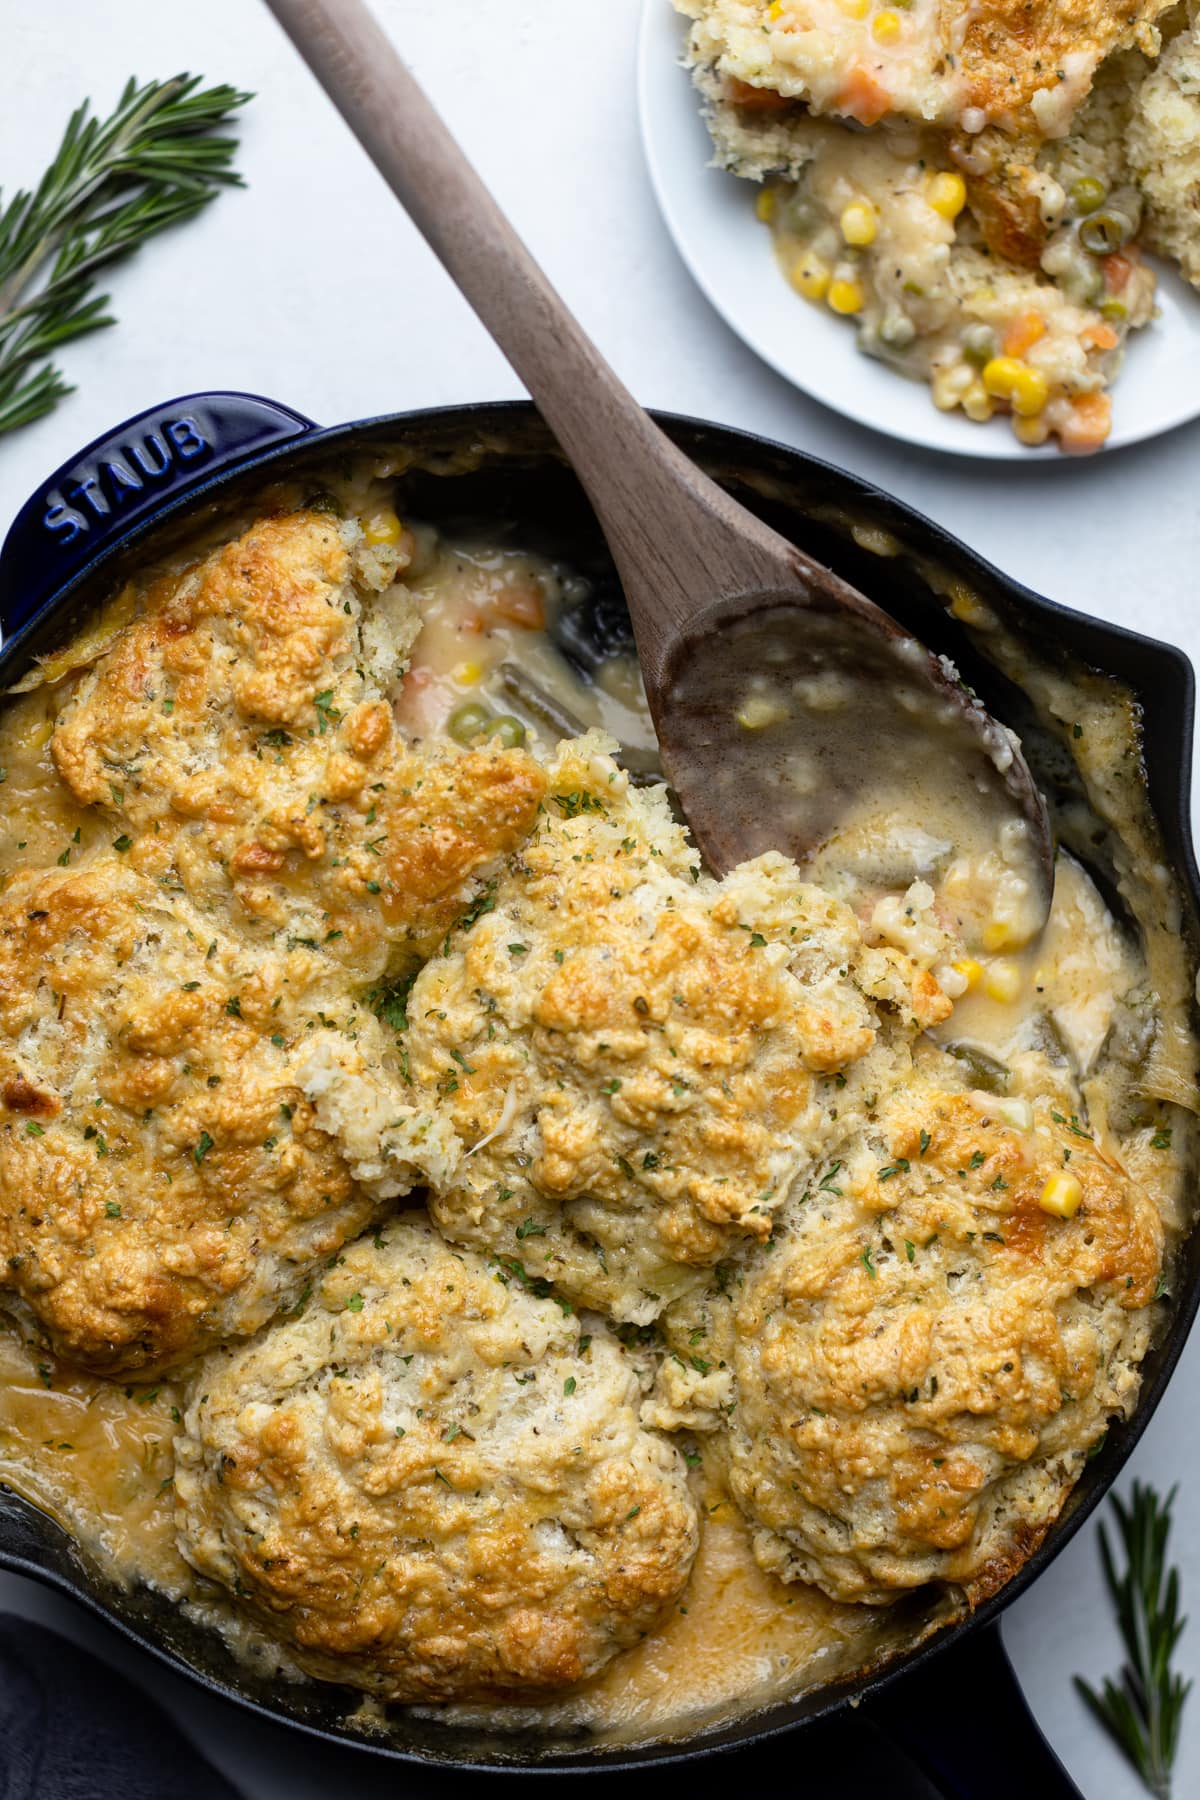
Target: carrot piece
1023, 333
522, 605
1088, 424
1099, 336
756, 99
863, 98
1117, 270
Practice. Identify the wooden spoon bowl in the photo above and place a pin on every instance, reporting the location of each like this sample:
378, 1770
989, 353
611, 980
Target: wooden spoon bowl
789, 723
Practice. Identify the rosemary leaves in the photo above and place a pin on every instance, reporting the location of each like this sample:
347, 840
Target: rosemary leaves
155, 161
1141, 1709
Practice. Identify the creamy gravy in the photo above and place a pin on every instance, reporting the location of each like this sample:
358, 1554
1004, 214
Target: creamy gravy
97, 1456
876, 228
486, 638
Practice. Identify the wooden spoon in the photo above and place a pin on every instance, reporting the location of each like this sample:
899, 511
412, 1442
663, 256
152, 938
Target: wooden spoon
790, 709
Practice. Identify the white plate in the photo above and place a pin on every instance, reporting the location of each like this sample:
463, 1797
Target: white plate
711, 217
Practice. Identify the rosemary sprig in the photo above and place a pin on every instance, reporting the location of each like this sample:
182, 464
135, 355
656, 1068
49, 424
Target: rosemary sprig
114, 183
1141, 1710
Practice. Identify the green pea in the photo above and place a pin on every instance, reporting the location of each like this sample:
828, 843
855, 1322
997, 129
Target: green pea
1114, 310
509, 730
978, 345
1087, 194
798, 214
897, 330
468, 721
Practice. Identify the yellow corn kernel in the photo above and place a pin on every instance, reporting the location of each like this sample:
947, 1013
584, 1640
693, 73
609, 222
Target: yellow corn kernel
775, 10
977, 404
970, 970
998, 934
1025, 389
467, 674
948, 386
966, 605
757, 712
1002, 980
845, 296
1030, 394
809, 275
1062, 1195
885, 26
1000, 375
1031, 431
855, 9
858, 222
947, 193
382, 527
764, 206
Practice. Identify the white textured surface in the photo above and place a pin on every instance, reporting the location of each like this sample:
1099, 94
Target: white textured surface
312, 287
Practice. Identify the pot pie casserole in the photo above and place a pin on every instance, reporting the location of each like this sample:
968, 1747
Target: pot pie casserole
973, 186
461, 1250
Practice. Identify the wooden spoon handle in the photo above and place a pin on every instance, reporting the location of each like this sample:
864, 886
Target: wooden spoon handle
674, 534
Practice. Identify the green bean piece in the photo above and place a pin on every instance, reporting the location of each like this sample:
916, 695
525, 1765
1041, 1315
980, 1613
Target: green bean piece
985, 1070
1044, 1033
1106, 231
534, 699
470, 720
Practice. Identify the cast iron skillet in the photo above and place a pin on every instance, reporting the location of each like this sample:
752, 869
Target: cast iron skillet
960, 1716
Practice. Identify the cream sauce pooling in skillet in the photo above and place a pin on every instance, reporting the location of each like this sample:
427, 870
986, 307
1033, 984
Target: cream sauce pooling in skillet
97, 1455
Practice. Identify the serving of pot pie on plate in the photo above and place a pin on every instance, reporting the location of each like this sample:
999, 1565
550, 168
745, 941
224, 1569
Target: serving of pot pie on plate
972, 191
463, 1251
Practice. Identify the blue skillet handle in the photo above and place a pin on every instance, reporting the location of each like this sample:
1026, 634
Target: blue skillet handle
962, 1719
103, 495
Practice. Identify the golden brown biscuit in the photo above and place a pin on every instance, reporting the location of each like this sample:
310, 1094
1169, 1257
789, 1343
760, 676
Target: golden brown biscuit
1028, 64
925, 1355
1163, 145
239, 729
1025, 65
639, 1060
432, 1486
164, 1181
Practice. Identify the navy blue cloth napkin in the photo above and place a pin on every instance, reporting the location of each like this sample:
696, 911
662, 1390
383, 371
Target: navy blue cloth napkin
71, 1729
